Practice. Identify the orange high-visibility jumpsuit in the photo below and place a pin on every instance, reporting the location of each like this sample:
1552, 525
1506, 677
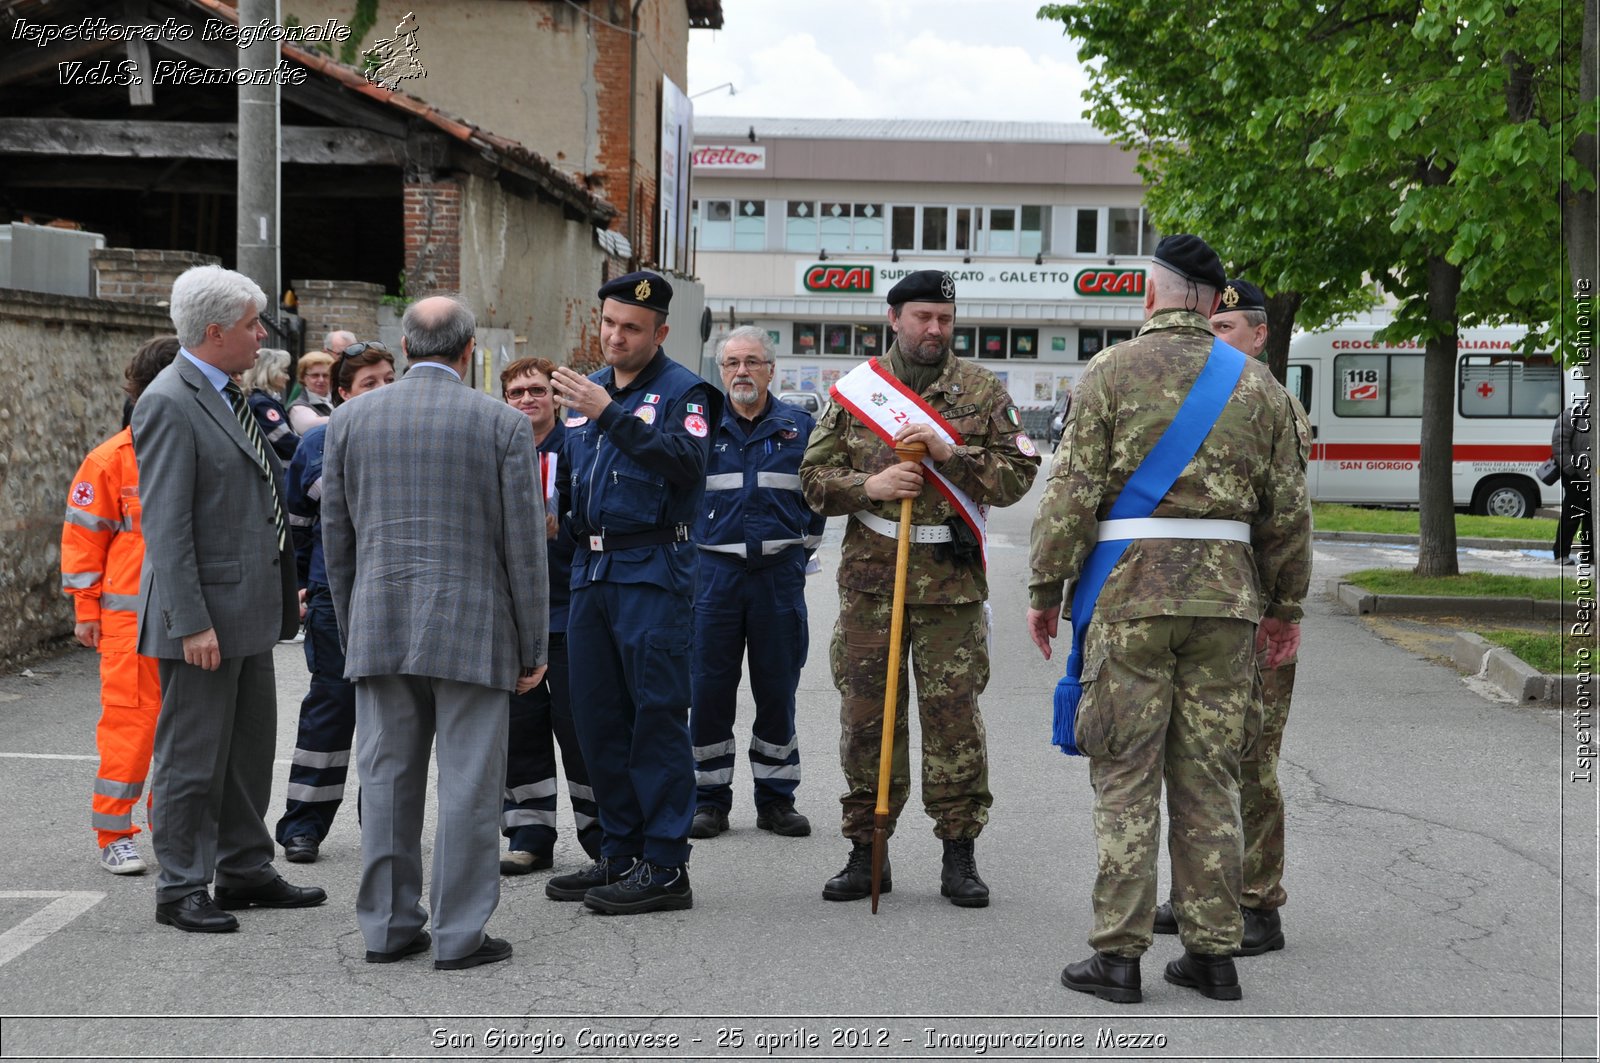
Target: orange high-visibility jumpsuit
102, 551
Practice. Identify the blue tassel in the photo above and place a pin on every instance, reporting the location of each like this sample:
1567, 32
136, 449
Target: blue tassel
1064, 729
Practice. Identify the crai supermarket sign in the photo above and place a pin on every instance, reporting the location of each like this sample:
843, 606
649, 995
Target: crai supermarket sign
1026, 281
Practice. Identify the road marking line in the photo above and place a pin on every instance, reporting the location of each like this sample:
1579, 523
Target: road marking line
51, 756
66, 907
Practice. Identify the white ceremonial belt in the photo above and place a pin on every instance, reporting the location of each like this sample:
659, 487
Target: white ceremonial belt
1174, 528
920, 533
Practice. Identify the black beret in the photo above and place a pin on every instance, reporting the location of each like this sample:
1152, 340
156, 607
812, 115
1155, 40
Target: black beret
924, 286
640, 289
1242, 295
1191, 258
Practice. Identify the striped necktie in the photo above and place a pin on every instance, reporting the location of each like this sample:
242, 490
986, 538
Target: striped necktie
252, 432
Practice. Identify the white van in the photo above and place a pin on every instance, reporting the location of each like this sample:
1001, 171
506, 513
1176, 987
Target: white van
1364, 399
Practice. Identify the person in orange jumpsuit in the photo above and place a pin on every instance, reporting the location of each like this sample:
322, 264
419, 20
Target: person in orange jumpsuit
102, 552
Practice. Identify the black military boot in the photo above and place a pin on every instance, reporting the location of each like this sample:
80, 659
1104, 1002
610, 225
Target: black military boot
1263, 932
1214, 976
1109, 977
959, 879
855, 882
1166, 919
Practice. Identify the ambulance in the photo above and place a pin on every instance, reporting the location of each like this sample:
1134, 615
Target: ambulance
1364, 399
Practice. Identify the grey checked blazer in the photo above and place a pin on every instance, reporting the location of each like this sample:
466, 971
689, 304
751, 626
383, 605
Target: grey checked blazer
211, 557
433, 533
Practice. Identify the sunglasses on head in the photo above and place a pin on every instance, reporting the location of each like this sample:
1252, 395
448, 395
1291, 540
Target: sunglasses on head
356, 350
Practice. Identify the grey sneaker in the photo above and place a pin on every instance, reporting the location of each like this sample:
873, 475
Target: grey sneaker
121, 858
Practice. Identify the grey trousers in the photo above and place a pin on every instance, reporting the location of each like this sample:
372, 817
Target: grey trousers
211, 777
397, 718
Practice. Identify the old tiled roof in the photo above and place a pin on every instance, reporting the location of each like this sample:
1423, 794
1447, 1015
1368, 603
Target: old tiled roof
916, 129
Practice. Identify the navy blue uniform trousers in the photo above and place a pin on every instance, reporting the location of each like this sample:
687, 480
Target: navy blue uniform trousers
630, 706
542, 714
321, 758
761, 611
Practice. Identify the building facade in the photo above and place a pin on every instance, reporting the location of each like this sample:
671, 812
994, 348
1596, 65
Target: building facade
802, 226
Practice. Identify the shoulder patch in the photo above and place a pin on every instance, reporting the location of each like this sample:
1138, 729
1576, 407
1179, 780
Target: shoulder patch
696, 426
1013, 416
647, 414
83, 493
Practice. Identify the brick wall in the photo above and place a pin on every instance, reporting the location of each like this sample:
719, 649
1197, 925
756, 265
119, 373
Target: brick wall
328, 306
137, 275
612, 62
432, 218
64, 359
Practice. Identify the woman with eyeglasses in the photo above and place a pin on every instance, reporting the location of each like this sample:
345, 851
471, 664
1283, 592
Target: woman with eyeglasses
328, 713
263, 385
314, 403
546, 710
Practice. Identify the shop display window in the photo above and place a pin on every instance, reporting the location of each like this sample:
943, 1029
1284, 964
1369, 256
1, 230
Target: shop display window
1024, 343
991, 343
836, 339
807, 335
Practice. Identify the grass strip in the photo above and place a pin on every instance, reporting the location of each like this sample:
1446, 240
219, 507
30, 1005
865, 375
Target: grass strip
1551, 653
1329, 517
1466, 585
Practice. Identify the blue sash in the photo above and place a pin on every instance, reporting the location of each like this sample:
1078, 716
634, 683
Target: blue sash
1145, 489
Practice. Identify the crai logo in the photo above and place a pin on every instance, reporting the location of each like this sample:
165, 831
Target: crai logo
1109, 282
828, 278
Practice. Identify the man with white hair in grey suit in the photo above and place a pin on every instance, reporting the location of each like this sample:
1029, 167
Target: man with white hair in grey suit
216, 594
434, 538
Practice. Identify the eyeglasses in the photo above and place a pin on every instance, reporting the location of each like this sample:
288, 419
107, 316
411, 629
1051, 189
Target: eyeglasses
518, 394
751, 366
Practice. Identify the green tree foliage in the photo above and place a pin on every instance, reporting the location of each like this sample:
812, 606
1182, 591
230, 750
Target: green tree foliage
1426, 147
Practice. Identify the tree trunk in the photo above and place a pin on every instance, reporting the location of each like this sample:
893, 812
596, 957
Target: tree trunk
1281, 309
1436, 491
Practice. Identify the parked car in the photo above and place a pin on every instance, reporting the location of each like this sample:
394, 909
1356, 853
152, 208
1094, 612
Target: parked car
1058, 418
808, 401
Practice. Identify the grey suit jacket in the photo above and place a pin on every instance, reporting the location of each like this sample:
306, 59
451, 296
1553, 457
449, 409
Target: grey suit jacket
211, 557
433, 533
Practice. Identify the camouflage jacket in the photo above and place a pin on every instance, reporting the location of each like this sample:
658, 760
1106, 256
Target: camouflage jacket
995, 466
1250, 468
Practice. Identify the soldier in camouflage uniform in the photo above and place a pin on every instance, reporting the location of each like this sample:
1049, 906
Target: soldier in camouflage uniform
1241, 320
1168, 668
847, 469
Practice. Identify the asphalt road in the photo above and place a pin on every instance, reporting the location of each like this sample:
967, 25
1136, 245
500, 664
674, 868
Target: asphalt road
1441, 881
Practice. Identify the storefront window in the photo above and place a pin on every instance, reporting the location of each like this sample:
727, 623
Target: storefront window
805, 337
836, 339
869, 340
991, 343
962, 340
1024, 343
800, 226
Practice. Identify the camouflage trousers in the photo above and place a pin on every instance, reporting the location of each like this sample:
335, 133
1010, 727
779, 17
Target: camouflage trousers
948, 651
1260, 800
1166, 698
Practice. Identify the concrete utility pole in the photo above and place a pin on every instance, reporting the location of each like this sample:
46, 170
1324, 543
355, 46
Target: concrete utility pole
259, 150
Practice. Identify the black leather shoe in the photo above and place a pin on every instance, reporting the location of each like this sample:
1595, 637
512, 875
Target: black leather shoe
648, 888
602, 872
301, 850
417, 944
1263, 932
196, 914
709, 821
1113, 978
959, 879
781, 818
1214, 976
1166, 919
493, 950
274, 894
854, 883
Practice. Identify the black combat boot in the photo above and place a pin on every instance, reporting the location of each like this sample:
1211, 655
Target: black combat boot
1263, 932
959, 879
1109, 977
604, 871
855, 881
1166, 919
1214, 976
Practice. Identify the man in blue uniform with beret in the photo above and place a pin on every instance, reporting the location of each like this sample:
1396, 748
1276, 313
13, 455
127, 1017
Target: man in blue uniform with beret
638, 434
